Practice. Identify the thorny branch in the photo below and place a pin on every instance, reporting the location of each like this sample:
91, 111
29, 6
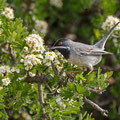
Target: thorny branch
40, 79
95, 106
43, 79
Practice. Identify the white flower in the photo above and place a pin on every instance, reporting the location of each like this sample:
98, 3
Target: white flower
31, 74
14, 69
21, 78
25, 49
6, 81
58, 99
36, 42
31, 60
60, 103
39, 56
29, 65
36, 61
5, 69
41, 26
56, 3
18, 70
22, 60
47, 62
8, 12
50, 55
110, 22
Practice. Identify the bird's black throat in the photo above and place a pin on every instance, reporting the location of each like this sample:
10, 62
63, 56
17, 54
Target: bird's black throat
65, 52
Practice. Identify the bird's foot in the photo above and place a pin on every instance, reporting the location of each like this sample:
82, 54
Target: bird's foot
70, 74
90, 72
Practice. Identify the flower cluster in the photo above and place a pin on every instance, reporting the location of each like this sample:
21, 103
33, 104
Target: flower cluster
8, 12
110, 22
31, 60
56, 3
4, 70
49, 56
41, 26
6, 81
36, 42
15, 69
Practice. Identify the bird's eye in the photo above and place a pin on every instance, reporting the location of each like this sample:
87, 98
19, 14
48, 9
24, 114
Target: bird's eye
60, 43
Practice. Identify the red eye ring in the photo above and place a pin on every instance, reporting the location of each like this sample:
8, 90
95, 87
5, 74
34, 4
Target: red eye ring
60, 43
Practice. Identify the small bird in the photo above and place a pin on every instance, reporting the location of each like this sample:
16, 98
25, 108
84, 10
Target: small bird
81, 54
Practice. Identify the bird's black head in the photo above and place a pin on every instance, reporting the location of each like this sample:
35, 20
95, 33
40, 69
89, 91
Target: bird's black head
62, 45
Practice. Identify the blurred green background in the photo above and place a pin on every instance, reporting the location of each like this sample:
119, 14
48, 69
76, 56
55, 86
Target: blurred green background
79, 20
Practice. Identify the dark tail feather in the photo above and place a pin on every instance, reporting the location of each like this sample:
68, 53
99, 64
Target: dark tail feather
102, 42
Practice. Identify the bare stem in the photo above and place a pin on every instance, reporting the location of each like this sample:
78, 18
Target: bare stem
94, 90
40, 94
41, 99
12, 55
95, 106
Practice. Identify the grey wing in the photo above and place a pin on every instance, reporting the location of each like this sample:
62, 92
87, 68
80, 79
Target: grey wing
90, 50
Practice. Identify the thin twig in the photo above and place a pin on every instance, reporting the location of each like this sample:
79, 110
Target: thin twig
40, 94
46, 84
95, 106
41, 99
54, 69
94, 90
12, 55
61, 72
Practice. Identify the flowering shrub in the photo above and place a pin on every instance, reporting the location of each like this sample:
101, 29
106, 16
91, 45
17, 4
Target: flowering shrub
36, 83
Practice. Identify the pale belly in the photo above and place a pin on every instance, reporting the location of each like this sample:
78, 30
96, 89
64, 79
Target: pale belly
84, 61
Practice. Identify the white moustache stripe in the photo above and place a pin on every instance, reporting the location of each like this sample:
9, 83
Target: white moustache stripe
60, 47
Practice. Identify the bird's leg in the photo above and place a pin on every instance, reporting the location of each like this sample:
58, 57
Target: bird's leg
91, 68
71, 73
77, 71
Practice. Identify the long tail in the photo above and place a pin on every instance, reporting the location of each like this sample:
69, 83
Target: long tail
102, 42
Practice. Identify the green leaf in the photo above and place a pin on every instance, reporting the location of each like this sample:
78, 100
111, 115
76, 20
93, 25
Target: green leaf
109, 6
80, 88
71, 86
73, 110
2, 4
